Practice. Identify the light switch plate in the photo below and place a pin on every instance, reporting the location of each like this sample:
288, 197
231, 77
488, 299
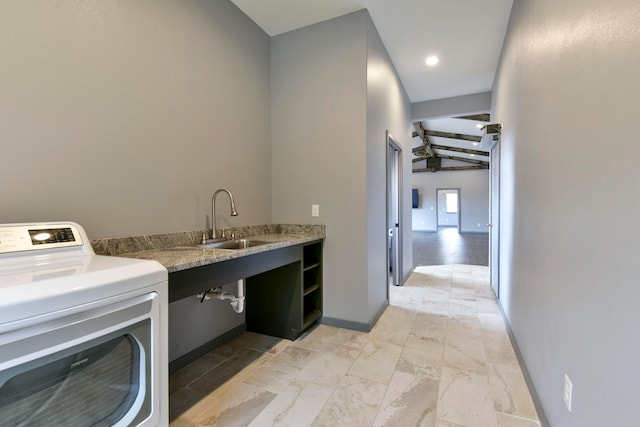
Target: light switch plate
315, 210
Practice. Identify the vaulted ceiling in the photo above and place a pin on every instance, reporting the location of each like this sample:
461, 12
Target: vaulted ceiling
451, 144
466, 35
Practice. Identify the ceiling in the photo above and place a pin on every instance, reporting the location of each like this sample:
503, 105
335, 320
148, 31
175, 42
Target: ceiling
466, 35
457, 143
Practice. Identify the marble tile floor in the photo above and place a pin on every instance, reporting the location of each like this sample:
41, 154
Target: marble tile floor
439, 356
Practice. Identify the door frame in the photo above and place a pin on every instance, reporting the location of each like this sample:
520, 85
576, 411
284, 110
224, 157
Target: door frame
394, 227
494, 216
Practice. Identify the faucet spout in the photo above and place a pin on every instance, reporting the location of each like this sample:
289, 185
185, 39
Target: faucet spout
213, 210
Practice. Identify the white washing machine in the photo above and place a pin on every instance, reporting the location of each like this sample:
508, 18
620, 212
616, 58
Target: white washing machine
83, 337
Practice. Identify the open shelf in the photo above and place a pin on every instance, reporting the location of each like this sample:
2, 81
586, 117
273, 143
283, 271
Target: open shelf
311, 319
311, 267
310, 289
287, 300
312, 255
311, 284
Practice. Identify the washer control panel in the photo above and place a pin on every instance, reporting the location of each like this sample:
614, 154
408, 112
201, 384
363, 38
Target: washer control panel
29, 237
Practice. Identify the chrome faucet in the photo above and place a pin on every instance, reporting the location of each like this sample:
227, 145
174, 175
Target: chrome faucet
213, 210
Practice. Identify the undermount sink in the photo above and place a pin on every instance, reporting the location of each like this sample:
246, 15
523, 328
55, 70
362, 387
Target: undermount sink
232, 244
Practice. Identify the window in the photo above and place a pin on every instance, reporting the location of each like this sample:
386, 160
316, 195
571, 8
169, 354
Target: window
452, 202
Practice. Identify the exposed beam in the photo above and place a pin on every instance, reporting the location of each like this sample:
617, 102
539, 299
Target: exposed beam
477, 117
452, 168
464, 168
457, 158
426, 144
417, 149
460, 150
452, 135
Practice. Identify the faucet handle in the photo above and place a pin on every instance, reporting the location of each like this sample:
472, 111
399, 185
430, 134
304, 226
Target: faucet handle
204, 237
223, 234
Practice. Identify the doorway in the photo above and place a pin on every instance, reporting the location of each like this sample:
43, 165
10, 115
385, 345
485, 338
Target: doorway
448, 207
394, 211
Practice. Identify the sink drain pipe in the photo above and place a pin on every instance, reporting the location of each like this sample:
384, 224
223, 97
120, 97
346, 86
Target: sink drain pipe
237, 302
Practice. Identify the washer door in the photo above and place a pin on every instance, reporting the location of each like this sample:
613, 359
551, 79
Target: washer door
102, 381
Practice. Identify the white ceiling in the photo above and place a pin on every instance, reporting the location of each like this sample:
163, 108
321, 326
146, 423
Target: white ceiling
467, 35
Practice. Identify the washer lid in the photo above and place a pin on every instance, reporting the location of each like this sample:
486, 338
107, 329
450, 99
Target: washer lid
39, 284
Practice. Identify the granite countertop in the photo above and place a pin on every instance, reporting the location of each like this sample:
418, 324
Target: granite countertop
177, 251
184, 256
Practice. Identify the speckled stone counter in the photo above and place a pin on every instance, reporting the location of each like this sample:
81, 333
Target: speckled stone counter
176, 253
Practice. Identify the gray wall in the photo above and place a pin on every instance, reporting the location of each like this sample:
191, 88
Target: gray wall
126, 116
318, 156
322, 146
388, 109
194, 324
474, 198
567, 95
474, 103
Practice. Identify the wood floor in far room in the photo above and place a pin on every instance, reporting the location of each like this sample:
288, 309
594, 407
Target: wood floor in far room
447, 246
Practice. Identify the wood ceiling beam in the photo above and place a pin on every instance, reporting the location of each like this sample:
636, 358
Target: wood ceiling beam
452, 168
464, 159
460, 150
477, 117
464, 168
457, 158
426, 144
451, 135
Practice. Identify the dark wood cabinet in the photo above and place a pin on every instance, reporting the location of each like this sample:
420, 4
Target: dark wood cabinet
311, 284
286, 301
283, 291
283, 287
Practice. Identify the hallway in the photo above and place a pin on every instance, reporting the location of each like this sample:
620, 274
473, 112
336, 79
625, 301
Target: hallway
440, 356
447, 247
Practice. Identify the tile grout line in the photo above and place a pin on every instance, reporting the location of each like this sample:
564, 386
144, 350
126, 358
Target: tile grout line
449, 275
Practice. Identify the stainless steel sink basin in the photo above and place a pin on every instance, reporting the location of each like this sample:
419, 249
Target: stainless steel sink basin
232, 244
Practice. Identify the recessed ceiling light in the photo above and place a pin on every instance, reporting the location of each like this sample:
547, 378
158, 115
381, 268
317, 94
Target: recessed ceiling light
472, 155
475, 143
479, 125
432, 60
